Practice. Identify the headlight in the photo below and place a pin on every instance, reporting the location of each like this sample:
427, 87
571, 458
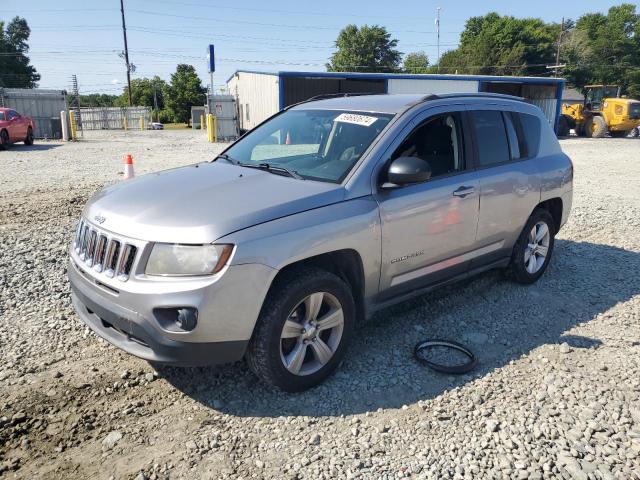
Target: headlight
175, 259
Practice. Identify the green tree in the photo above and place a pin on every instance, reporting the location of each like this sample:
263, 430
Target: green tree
15, 70
365, 49
605, 49
184, 91
94, 100
503, 45
145, 92
416, 62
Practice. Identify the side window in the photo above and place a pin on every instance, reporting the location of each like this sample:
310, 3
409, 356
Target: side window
531, 129
12, 115
438, 141
514, 143
1, 116
491, 137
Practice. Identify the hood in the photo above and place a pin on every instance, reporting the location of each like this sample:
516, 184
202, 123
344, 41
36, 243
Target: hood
203, 202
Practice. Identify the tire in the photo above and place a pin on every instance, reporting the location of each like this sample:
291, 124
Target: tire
288, 302
29, 139
563, 126
520, 269
4, 140
620, 134
635, 132
595, 127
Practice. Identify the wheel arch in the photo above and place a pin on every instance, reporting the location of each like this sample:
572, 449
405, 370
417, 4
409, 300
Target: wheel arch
346, 264
554, 206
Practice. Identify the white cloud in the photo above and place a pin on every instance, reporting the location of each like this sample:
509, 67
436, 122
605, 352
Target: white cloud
115, 81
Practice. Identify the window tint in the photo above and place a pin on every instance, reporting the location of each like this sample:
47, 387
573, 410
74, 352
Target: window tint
491, 137
438, 141
514, 144
531, 130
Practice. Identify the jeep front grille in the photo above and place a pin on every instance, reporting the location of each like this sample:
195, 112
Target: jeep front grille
105, 253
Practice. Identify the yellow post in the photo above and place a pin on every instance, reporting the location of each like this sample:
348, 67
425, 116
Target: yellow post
141, 123
214, 127
202, 125
210, 130
72, 123
125, 123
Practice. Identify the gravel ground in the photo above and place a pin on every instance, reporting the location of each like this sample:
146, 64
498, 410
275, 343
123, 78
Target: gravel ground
556, 394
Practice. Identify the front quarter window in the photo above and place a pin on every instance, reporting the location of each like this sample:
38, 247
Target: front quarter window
316, 144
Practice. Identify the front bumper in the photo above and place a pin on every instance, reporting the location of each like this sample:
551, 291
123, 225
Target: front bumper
228, 309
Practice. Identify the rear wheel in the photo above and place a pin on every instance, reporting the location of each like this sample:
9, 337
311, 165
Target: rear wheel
303, 329
595, 127
29, 138
620, 134
532, 252
4, 140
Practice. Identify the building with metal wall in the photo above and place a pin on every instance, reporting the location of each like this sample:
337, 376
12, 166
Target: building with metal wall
44, 106
261, 94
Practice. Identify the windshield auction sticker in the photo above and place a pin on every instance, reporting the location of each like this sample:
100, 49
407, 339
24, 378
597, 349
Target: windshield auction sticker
364, 120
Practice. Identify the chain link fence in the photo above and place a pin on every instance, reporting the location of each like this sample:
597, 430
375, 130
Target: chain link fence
115, 118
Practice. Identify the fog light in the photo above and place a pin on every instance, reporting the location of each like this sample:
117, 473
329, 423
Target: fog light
187, 318
177, 319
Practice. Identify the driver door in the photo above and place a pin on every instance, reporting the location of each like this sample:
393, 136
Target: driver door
429, 229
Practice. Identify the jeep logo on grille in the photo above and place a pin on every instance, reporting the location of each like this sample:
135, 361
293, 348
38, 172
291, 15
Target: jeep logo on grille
100, 219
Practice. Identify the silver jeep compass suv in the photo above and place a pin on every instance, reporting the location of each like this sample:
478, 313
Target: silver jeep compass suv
323, 214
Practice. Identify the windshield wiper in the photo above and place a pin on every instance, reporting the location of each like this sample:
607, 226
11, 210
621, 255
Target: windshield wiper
226, 157
275, 169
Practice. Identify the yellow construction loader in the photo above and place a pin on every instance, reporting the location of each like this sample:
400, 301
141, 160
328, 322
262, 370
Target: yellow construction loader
601, 112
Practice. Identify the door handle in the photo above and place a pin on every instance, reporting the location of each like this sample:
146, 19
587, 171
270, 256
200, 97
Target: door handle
463, 191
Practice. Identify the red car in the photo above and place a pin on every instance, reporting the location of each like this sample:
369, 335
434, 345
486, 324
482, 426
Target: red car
15, 128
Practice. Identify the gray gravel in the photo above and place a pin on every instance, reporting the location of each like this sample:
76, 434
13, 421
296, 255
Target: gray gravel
556, 395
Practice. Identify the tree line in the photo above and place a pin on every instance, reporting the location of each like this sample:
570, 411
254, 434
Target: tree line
596, 48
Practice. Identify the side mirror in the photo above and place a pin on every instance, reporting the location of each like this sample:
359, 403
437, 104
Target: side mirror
407, 170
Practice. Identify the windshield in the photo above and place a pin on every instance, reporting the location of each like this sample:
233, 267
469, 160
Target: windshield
316, 144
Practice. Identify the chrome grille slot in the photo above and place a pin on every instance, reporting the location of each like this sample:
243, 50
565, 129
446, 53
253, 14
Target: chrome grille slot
78, 236
83, 241
91, 247
101, 250
125, 262
112, 258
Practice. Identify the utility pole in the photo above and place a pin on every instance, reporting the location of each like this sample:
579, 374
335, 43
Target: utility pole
126, 52
438, 35
559, 43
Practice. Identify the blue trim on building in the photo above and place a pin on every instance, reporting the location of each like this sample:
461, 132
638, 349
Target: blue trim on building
559, 104
250, 71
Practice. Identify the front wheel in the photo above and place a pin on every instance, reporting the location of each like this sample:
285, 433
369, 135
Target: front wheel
4, 140
532, 252
303, 330
595, 127
29, 138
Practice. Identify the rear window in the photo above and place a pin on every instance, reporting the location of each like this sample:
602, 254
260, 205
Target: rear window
1, 115
491, 137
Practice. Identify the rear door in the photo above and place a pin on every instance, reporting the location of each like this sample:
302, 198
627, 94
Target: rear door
508, 176
429, 229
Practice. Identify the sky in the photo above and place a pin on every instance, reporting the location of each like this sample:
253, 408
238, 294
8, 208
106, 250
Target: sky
85, 37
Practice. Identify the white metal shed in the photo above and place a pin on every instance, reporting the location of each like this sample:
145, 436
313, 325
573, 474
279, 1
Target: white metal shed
261, 94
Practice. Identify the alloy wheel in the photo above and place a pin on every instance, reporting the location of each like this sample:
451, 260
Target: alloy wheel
311, 334
537, 247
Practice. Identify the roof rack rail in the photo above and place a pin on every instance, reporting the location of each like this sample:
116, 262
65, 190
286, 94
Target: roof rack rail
471, 95
326, 96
